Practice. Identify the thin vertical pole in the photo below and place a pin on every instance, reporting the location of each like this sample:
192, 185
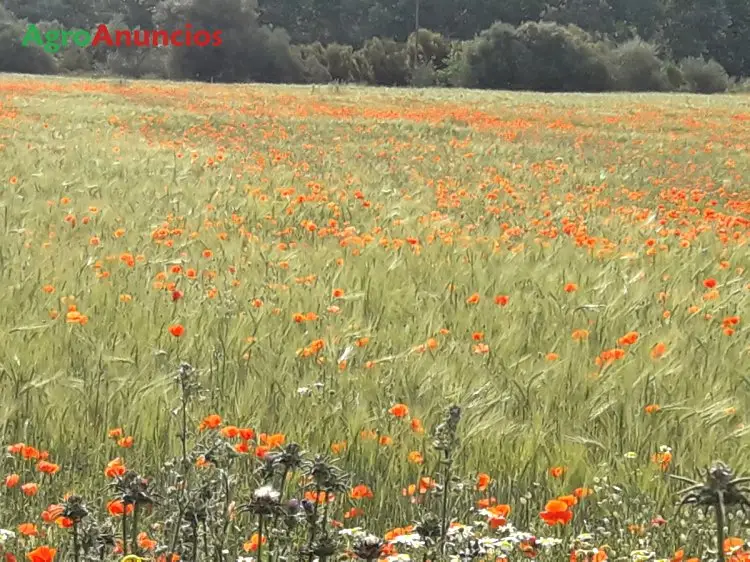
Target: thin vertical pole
416, 33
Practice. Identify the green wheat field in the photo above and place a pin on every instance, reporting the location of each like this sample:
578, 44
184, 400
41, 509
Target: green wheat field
339, 266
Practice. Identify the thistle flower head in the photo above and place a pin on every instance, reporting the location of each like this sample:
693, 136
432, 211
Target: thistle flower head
368, 547
74, 508
445, 437
718, 489
267, 494
133, 489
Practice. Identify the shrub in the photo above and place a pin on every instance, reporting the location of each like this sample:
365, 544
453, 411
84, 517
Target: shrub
14, 57
434, 48
637, 68
312, 59
704, 77
494, 59
563, 58
136, 63
674, 75
346, 65
249, 51
457, 71
388, 60
424, 75
76, 59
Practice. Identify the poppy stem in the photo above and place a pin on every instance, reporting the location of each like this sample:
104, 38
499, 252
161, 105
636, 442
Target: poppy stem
125, 530
720, 528
260, 537
282, 484
446, 485
227, 504
134, 531
314, 526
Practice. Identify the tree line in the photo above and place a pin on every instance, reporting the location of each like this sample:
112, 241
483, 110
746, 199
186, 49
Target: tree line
545, 45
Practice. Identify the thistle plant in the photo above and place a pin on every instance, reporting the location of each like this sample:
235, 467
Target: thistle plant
368, 547
75, 510
286, 462
133, 490
189, 389
326, 479
265, 503
97, 539
215, 495
719, 489
446, 441
430, 530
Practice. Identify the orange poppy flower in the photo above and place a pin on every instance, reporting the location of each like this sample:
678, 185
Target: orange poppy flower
115, 467
570, 500
399, 410
502, 300
230, 431
30, 489
116, 508
28, 529
145, 542
246, 433
483, 480
557, 471
52, 513
473, 299
47, 467
556, 512
212, 421
42, 554
115, 433
254, 542
416, 457
361, 492
628, 339
416, 425
658, 350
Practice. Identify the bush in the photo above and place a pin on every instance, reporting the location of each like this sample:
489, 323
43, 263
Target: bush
495, 59
637, 68
14, 57
136, 63
704, 77
76, 59
537, 56
249, 51
563, 59
312, 58
457, 71
674, 75
346, 65
388, 60
424, 76
434, 48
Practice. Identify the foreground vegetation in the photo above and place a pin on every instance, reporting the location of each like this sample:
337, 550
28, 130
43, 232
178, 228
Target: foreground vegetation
516, 312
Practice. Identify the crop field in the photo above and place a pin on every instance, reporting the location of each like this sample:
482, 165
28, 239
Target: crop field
294, 323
